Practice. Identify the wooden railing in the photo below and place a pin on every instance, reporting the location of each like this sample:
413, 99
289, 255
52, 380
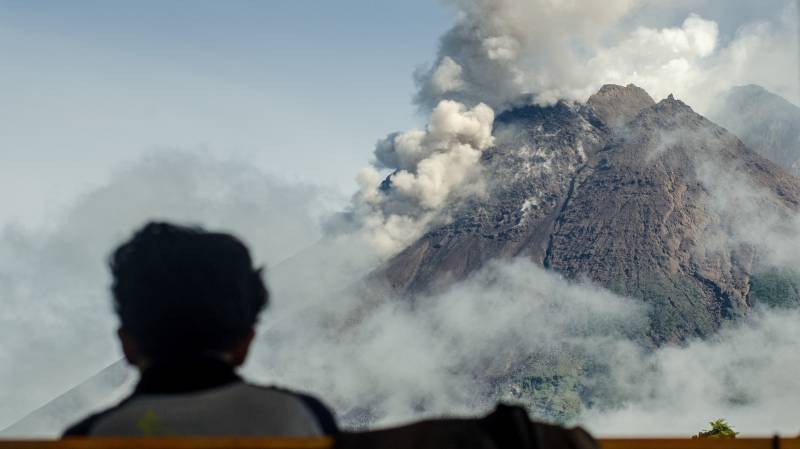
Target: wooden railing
698, 443
327, 443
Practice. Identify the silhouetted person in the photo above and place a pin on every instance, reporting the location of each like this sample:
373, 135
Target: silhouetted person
188, 301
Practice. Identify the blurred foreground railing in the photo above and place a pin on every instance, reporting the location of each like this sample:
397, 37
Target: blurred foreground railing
700, 443
327, 443
173, 443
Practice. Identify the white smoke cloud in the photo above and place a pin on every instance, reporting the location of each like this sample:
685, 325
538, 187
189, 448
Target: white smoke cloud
661, 61
752, 215
691, 62
501, 51
433, 169
763, 53
447, 76
744, 374
382, 362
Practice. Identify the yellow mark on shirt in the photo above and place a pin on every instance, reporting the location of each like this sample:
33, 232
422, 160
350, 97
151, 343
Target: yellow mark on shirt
150, 425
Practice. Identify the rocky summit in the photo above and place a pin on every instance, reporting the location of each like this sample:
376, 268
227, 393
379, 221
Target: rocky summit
618, 190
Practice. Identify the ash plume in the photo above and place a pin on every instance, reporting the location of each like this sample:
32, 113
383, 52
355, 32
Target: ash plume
503, 52
431, 169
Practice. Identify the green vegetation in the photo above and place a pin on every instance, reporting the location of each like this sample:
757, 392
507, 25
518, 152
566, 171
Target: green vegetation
554, 397
557, 386
777, 287
675, 304
719, 429
549, 386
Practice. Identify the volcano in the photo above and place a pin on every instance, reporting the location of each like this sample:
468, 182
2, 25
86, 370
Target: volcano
619, 191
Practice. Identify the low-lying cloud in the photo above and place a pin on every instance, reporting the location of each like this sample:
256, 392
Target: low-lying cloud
512, 331
442, 354
744, 374
516, 332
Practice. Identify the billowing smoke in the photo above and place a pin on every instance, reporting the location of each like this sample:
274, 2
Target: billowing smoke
501, 52
517, 333
692, 62
505, 52
432, 169
742, 374
382, 360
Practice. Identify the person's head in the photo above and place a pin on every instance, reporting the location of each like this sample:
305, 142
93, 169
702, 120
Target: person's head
182, 292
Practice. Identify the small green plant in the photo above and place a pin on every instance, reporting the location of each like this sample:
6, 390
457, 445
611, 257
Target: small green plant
719, 429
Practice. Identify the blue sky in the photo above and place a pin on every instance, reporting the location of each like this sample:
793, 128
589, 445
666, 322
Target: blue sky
300, 88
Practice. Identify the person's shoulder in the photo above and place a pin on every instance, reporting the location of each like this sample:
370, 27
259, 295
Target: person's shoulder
84, 427
321, 412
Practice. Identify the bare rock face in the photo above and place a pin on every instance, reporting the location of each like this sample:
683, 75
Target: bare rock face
617, 105
530, 170
616, 191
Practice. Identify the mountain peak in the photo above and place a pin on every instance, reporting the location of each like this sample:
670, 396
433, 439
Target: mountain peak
629, 210
672, 105
748, 89
765, 121
615, 105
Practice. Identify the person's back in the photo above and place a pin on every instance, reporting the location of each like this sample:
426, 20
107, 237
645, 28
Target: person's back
188, 302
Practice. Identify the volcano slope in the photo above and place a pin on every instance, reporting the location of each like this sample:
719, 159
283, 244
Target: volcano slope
621, 191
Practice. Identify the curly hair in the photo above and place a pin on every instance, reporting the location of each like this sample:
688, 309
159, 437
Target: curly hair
182, 291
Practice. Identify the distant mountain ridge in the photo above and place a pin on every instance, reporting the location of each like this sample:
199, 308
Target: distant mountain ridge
104, 389
766, 122
612, 191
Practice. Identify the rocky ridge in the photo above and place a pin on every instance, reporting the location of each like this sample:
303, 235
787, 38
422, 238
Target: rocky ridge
615, 190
